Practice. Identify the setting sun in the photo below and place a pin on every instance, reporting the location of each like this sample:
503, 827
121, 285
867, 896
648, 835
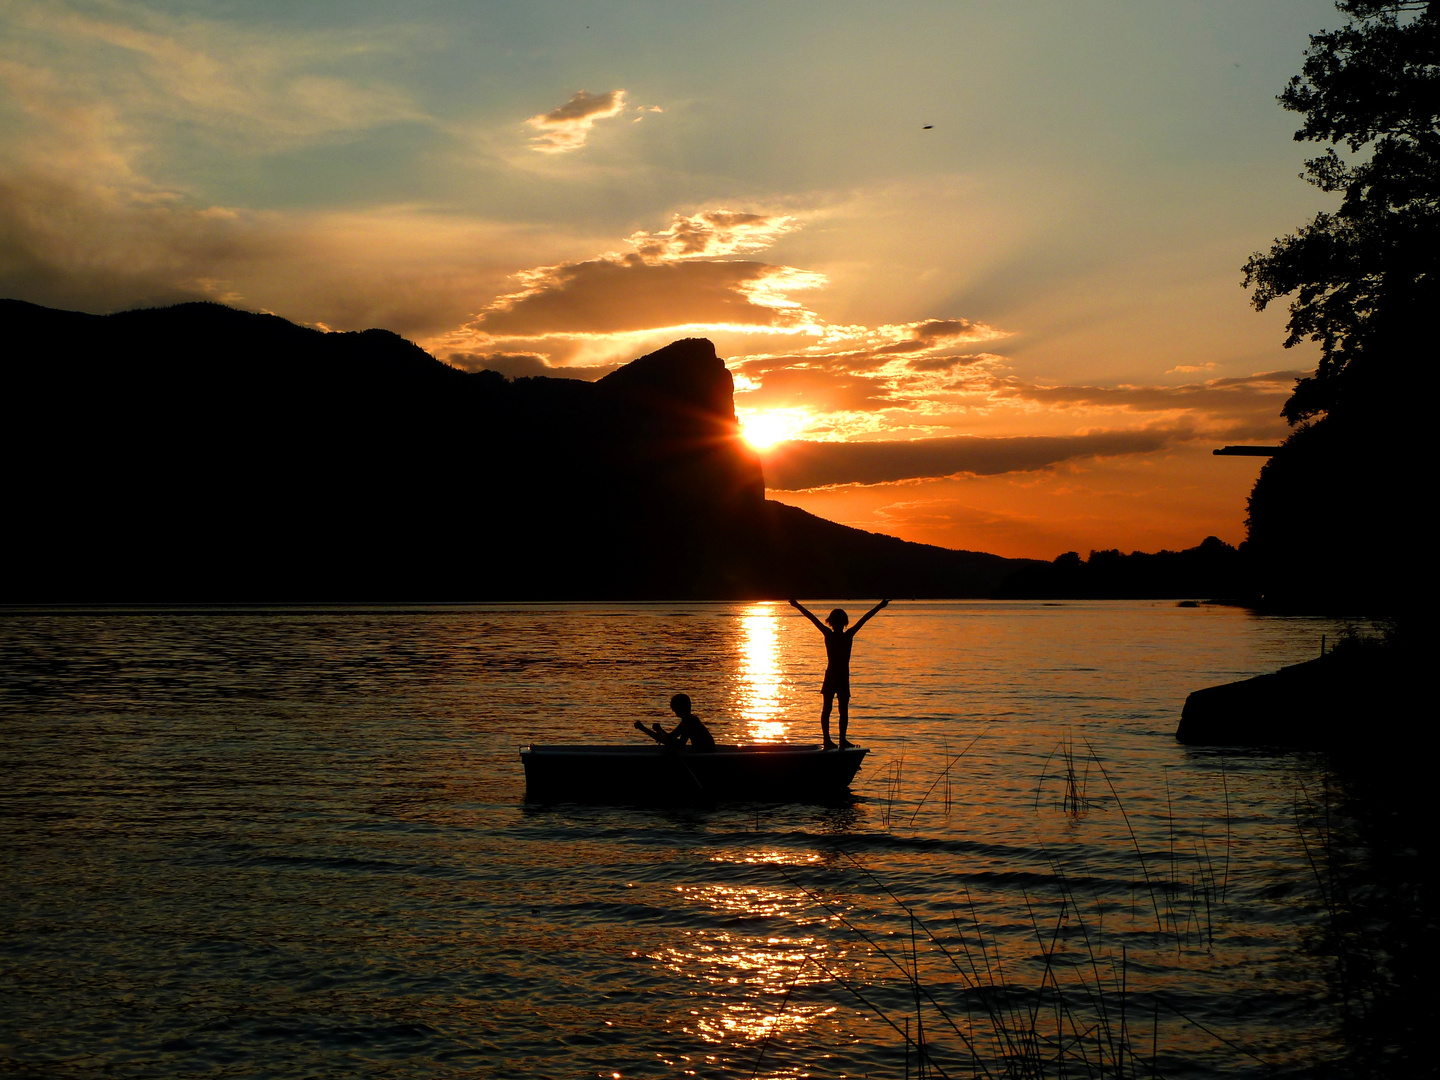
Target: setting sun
767, 427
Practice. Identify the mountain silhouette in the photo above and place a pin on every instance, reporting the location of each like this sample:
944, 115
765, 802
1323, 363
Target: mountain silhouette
202, 454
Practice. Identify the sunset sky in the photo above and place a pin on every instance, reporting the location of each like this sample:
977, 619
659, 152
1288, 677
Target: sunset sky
1010, 231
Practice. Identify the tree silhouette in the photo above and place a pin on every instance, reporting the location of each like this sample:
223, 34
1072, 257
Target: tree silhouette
1332, 507
1364, 276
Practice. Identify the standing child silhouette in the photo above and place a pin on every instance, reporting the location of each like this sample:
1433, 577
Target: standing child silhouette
837, 664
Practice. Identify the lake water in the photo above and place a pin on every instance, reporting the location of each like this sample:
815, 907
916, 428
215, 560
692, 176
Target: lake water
296, 843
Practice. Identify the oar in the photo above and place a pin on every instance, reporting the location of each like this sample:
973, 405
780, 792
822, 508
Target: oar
667, 742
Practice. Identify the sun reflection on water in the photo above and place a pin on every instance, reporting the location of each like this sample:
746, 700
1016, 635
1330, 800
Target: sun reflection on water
756, 958
761, 691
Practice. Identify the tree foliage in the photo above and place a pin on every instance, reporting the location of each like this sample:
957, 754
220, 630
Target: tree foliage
1364, 277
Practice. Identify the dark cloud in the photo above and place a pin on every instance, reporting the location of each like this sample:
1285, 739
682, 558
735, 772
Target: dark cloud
945, 363
103, 247
936, 329
515, 365
627, 294
1265, 390
77, 246
796, 466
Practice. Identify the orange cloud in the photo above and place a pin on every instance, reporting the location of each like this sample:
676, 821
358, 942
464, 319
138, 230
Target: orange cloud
756, 368
680, 280
712, 234
937, 334
855, 367
878, 392
626, 294
1261, 387
567, 127
1245, 406
818, 390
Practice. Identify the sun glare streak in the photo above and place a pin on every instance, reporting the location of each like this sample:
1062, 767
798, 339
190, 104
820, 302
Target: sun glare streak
763, 428
761, 691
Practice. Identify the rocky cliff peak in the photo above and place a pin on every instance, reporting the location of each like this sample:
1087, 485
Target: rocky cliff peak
684, 375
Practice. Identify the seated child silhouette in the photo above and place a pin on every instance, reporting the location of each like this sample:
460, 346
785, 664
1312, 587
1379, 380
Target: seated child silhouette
690, 729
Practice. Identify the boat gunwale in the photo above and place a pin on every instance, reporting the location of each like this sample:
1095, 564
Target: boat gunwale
722, 750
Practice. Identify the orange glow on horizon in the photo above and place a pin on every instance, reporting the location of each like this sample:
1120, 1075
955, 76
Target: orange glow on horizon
1172, 499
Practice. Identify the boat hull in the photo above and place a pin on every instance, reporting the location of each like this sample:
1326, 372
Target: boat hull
647, 774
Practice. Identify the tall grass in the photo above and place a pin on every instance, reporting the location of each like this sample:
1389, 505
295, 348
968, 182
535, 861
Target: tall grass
893, 779
1073, 801
950, 988
944, 775
1355, 959
1079, 1021
1368, 838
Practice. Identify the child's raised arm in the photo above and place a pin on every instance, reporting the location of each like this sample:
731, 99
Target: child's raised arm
869, 615
806, 612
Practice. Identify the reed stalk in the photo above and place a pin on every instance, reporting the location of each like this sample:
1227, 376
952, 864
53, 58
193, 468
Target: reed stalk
945, 773
1078, 1018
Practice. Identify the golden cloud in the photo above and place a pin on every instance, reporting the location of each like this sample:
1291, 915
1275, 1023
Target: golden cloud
1234, 395
626, 295
880, 391
712, 234
861, 381
566, 127
935, 334
817, 389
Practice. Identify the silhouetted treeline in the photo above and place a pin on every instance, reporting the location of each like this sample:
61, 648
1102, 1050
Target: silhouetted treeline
1335, 515
198, 453
1211, 570
1335, 518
